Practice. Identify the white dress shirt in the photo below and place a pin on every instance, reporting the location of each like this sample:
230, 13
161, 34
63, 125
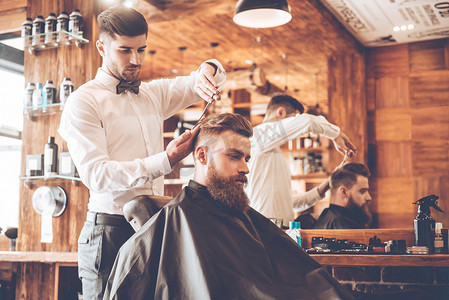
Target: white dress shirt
269, 180
116, 140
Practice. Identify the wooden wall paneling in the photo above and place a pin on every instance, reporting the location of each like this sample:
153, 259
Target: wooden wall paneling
12, 14
392, 92
430, 123
429, 89
80, 64
430, 158
35, 281
446, 54
347, 102
394, 159
394, 202
393, 124
370, 94
428, 55
388, 61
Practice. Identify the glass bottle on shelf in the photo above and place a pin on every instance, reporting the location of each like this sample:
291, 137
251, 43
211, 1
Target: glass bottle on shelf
65, 91
308, 142
48, 94
75, 24
50, 30
38, 30
27, 31
50, 158
62, 24
28, 95
317, 142
37, 96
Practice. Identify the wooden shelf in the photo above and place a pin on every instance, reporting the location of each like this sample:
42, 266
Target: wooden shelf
170, 135
242, 105
431, 260
306, 150
69, 258
318, 176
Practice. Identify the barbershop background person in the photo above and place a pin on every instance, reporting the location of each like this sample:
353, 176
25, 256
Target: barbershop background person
269, 181
113, 127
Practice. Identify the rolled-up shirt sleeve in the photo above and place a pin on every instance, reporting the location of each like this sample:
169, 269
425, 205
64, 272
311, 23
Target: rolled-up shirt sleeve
305, 200
269, 135
82, 129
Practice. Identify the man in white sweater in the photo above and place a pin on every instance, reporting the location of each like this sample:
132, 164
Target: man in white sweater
269, 181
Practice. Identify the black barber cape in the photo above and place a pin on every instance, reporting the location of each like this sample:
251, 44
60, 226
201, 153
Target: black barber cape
196, 248
339, 217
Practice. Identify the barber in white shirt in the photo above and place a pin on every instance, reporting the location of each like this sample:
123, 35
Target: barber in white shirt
113, 127
269, 181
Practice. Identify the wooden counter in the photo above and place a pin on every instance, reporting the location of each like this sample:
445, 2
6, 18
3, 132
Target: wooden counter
65, 258
434, 260
382, 260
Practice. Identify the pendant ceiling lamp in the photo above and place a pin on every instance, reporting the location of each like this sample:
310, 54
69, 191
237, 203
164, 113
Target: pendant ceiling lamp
262, 13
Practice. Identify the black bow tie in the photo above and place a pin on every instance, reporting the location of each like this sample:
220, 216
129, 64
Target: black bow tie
124, 85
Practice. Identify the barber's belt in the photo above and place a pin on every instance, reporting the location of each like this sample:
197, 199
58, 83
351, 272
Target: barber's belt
106, 219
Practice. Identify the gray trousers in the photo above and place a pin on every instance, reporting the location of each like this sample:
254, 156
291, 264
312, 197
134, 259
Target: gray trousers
97, 248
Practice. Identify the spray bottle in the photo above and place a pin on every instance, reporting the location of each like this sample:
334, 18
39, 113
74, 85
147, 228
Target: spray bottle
424, 222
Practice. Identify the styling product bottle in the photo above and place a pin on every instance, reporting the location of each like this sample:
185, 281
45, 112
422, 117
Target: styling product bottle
293, 231
65, 91
37, 97
317, 142
75, 24
38, 30
48, 94
28, 96
438, 242
50, 158
62, 24
424, 222
50, 30
27, 31
308, 142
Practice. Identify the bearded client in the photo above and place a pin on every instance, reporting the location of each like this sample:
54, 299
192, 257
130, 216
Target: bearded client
209, 244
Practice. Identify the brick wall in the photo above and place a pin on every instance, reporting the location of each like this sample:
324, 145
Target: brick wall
434, 280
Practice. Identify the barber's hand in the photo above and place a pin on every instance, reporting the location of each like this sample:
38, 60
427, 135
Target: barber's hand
343, 144
180, 147
205, 84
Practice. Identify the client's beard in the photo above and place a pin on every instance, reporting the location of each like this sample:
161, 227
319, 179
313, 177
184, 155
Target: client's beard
226, 191
362, 213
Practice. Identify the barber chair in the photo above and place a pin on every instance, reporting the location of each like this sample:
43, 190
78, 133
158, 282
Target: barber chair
140, 209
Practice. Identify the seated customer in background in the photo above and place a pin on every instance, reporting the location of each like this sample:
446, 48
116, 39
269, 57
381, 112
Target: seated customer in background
349, 199
209, 244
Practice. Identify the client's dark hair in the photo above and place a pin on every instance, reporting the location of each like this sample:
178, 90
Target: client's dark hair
346, 175
216, 124
290, 104
121, 20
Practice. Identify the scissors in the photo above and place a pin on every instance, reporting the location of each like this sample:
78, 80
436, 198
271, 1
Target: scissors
206, 108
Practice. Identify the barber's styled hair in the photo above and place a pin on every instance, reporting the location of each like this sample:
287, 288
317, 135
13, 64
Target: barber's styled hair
290, 104
346, 175
216, 124
121, 20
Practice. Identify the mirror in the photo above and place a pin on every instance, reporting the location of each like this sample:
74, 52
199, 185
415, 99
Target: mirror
374, 94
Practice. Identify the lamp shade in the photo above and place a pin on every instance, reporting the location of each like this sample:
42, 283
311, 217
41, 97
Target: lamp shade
262, 13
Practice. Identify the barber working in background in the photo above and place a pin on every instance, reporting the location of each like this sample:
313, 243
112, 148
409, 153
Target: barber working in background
269, 185
349, 202
113, 127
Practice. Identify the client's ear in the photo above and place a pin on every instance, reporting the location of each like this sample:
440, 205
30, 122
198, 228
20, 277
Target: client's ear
201, 154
